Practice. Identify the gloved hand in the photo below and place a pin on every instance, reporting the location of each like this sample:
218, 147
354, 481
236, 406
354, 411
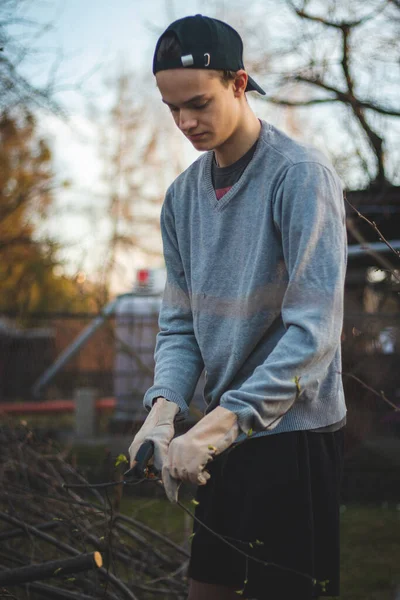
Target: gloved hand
159, 428
189, 454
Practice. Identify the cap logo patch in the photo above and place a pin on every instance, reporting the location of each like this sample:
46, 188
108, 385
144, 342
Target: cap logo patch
187, 60
208, 58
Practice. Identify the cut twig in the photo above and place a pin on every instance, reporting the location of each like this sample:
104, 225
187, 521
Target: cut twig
54, 568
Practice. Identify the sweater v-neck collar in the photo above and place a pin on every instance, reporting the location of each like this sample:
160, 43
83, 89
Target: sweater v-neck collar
219, 205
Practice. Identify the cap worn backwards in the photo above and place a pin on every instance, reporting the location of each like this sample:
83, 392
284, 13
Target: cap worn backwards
206, 43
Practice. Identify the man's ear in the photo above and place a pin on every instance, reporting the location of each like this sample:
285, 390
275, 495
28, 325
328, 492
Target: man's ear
240, 83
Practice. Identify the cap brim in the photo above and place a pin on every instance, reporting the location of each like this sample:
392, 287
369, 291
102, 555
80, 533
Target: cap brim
252, 86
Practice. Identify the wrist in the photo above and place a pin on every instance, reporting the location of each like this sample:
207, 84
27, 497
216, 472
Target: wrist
158, 398
165, 409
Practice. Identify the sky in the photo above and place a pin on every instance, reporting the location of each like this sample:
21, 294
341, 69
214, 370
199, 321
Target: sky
100, 30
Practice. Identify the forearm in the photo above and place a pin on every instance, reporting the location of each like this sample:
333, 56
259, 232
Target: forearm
291, 373
179, 363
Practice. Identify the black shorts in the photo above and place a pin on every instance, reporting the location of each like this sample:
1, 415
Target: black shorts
277, 499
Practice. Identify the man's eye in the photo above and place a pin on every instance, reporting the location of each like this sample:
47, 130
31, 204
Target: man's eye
175, 109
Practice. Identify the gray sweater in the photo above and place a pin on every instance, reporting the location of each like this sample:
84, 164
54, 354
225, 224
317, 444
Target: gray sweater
254, 290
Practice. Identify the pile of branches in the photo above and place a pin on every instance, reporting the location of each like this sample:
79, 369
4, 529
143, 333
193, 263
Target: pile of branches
99, 552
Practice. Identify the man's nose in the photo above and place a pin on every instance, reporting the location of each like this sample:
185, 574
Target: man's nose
187, 121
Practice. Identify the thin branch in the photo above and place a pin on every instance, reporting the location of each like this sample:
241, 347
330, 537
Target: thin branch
40, 534
380, 394
340, 96
378, 231
298, 103
381, 260
56, 593
153, 533
242, 552
13, 533
339, 24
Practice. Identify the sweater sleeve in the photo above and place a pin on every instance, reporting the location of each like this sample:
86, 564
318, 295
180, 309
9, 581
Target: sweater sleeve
308, 212
178, 361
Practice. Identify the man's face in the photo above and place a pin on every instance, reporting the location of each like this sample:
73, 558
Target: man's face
205, 110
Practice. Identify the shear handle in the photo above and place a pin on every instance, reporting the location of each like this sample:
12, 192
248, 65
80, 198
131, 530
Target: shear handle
143, 456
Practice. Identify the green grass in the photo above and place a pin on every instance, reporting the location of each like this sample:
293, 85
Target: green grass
169, 519
370, 547
370, 553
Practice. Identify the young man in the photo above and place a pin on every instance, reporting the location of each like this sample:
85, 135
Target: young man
255, 249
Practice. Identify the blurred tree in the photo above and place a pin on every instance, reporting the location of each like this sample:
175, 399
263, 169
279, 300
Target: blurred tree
30, 274
345, 56
18, 38
125, 151
21, 51
28, 278
138, 164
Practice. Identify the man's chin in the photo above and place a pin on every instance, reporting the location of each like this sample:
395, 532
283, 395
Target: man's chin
202, 144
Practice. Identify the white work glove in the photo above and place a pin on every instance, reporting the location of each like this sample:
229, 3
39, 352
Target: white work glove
189, 454
159, 428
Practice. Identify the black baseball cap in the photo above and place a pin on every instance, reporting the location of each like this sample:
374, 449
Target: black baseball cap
206, 43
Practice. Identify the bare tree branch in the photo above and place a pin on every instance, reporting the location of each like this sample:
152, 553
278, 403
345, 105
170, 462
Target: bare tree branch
341, 97
376, 142
346, 76
340, 24
381, 237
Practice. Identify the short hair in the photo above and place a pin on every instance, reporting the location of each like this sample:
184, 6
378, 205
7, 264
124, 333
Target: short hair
170, 48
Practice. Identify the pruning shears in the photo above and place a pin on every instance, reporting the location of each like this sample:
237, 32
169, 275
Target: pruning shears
142, 470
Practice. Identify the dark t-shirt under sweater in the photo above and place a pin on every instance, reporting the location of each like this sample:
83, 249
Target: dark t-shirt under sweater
223, 179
